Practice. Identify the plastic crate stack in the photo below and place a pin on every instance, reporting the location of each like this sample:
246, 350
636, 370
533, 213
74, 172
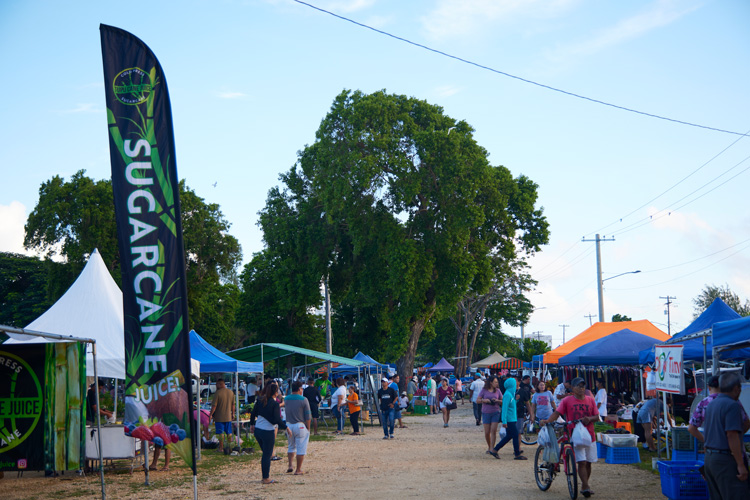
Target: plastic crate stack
620, 449
685, 446
682, 480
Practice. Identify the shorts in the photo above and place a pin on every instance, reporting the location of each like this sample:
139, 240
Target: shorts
644, 417
459, 394
223, 427
491, 418
397, 413
430, 400
314, 413
298, 437
586, 453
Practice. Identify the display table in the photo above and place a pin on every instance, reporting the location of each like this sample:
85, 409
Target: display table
115, 444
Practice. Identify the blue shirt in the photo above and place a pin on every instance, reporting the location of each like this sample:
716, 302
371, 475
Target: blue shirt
722, 415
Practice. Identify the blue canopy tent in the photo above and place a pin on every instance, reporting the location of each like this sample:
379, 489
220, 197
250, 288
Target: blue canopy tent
620, 348
214, 361
717, 312
728, 334
367, 360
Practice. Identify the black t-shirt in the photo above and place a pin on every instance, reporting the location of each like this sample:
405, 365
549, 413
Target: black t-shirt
387, 397
90, 405
312, 394
524, 396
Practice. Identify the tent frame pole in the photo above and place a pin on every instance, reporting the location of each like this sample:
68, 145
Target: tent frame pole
99, 422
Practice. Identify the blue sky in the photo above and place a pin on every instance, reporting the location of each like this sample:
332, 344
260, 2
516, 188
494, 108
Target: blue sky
251, 80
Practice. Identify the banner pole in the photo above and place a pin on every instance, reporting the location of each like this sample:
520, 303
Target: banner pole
98, 420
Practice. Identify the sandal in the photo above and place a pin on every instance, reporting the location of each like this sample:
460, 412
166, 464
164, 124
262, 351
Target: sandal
494, 454
164, 469
271, 481
520, 457
289, 470
587, 493
299, 473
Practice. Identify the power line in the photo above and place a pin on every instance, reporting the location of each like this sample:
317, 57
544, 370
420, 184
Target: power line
525, 80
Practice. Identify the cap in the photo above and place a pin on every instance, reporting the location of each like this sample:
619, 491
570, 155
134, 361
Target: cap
403, 393
477, 374
384, 379
577, 381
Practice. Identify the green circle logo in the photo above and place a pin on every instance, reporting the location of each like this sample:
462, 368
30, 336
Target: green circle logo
662, 366
21, 401
132, 86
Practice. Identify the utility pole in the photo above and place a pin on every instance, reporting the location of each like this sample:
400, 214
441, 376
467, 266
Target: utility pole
599, 272
564, 327
589, 316
329, 336
668, 303
538, 334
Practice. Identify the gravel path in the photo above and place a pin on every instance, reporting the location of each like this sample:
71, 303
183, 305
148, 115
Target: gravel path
424, 460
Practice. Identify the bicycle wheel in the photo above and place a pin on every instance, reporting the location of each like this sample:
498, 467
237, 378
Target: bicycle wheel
569, 459
530, 432
543, 471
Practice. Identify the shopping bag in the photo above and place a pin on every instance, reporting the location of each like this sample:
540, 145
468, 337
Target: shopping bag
503, 432
581, 436
542, 438
551, 452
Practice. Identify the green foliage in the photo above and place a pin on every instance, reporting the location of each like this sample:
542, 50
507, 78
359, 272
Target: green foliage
711, 292
398, 205
620, 317
74, 217
24, 290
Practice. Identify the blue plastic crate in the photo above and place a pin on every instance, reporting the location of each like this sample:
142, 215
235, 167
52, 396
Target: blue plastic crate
622, 455
681, 456
682, 480
601, 450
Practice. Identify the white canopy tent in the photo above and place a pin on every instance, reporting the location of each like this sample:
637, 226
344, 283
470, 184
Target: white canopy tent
91, 308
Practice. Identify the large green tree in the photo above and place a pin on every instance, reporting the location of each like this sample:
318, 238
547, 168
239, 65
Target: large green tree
712, 292
74, 217
24, 288
409, 215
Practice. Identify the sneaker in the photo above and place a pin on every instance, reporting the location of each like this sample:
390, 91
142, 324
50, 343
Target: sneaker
445, 425
391, 436
385, 437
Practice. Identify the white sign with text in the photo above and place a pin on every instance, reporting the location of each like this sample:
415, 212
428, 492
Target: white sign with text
668, 368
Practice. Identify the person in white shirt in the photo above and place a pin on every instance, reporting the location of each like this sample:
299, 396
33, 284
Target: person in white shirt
562, 390
601, 398
474, 389
250, 391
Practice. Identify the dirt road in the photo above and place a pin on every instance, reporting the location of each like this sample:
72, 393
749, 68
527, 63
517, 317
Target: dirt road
425, 460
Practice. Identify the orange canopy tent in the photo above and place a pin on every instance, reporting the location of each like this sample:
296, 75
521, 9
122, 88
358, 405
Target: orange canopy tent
602, 329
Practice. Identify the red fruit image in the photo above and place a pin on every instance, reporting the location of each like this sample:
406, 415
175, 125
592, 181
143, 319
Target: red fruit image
143, 432
175, 403
175, 438
162, 431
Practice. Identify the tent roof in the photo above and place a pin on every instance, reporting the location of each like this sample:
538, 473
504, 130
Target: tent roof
732, 332
602, 329
493, 358
91, 308
214, 361
267, 352
367, 360
508, 364
441, 365
619, 348
717, 312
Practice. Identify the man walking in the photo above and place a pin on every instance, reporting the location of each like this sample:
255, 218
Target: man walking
388, 403
222, 413
397, 410
297, 426
431, 394
726, 466
474, 389
312, 394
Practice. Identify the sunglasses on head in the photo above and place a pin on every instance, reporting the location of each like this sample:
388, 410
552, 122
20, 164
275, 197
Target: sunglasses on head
581, 385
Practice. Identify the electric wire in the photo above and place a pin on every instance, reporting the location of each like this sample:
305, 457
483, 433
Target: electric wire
515, 77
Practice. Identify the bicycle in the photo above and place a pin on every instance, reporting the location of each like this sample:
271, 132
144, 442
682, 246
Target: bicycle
545, 472
530, 431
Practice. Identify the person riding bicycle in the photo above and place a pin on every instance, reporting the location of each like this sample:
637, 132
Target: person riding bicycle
583, 408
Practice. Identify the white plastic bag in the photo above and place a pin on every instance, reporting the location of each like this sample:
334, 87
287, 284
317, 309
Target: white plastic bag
503, 432
542, 438
581, 436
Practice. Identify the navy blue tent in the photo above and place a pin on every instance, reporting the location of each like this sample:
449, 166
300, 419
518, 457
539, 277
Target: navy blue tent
214, 361
620, 348
717, 312
732, 332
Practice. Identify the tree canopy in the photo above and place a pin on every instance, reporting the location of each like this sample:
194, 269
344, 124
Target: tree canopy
399, 206
711, 292
74, 217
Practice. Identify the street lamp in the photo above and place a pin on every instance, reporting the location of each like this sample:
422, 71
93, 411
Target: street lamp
601, 287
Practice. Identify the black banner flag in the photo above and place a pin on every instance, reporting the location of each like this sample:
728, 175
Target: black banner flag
149, 229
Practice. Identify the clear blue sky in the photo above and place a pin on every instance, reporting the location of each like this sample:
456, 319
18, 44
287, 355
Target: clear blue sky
251, 80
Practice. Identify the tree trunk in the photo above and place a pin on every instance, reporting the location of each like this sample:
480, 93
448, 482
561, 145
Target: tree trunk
475, 333
405, 364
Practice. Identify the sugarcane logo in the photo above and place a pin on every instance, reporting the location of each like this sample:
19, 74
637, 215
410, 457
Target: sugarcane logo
132, 86
662, 365
20, 401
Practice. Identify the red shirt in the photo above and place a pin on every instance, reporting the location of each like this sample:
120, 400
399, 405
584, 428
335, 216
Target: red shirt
574, 409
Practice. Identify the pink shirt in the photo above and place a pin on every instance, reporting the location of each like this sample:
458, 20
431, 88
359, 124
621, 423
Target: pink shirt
574, 409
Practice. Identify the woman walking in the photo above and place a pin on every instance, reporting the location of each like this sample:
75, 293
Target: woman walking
508, 416
490, 398
355, 409
265, 416
445, 400
542, 403
338, 402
